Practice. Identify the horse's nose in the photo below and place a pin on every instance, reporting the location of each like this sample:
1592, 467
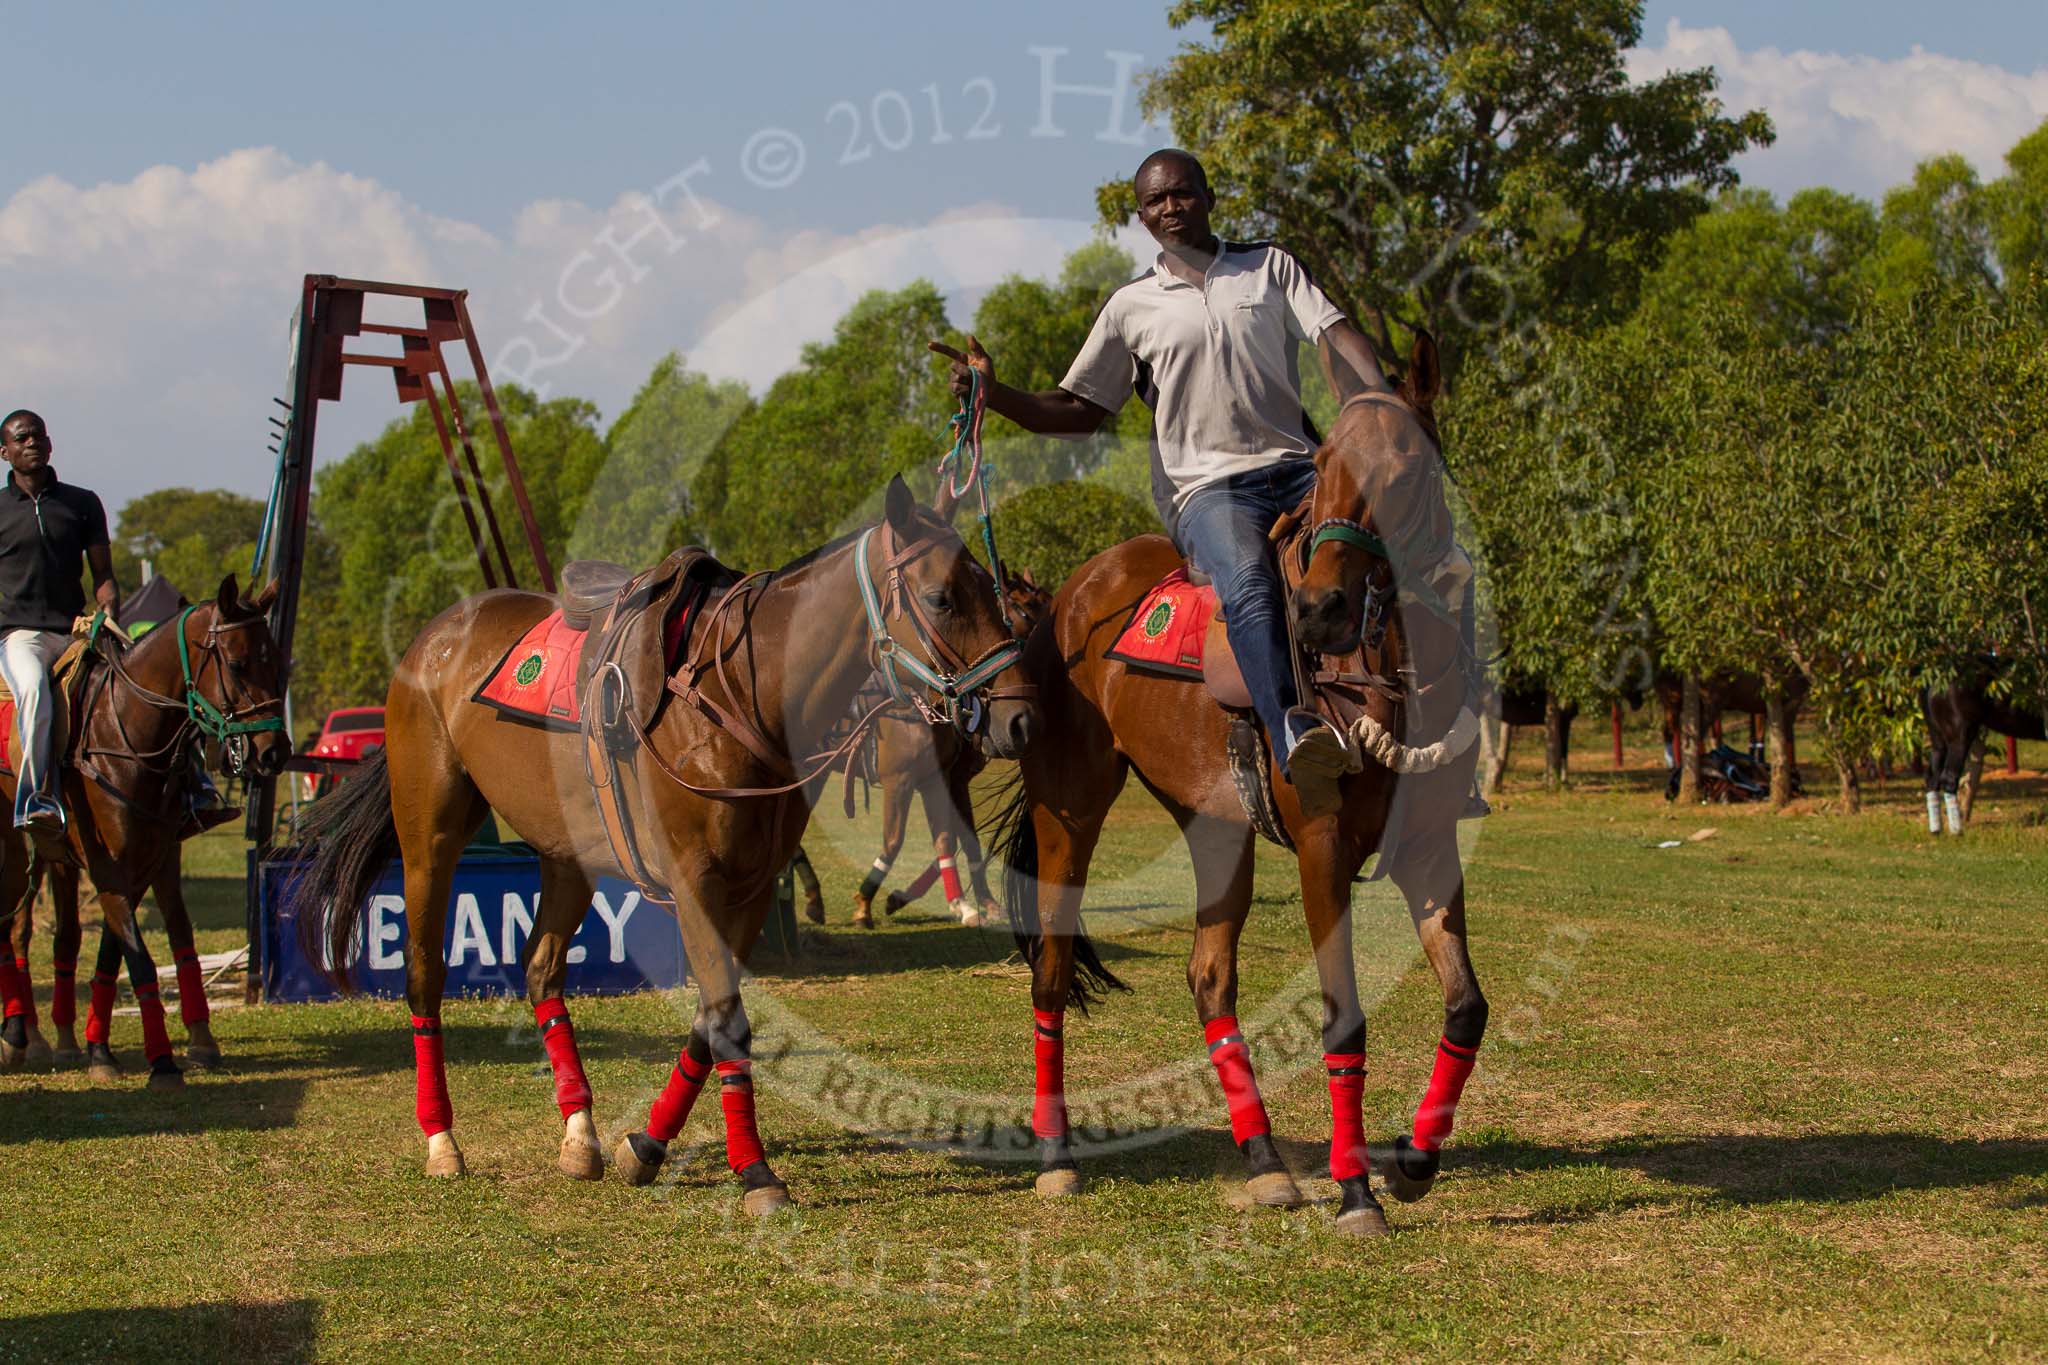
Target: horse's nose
1021, 730
1321, 618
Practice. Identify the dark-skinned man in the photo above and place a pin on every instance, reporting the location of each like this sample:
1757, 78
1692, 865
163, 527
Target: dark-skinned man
1207, 338
49, 531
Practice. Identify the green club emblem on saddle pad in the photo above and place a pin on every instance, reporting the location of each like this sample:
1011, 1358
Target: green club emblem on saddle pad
1158, 619
529, 669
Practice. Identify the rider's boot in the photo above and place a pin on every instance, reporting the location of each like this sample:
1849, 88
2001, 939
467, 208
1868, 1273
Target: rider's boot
1316, 761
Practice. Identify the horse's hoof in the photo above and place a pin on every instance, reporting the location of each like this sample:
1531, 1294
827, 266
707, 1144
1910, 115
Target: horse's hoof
1063, 1183
164, 1075
893, 903
1409, 1171
1274, 1190
13, 1056
444, 1158
64, 1058
1360, 1214
969, 917
863, 918
814, 909
639, 1158
201, 1058
991, 913
101, 1068
40, 1057
579, 1160
763, 1200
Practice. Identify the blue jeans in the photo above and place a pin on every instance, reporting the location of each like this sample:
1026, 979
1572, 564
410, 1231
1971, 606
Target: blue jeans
1223, 529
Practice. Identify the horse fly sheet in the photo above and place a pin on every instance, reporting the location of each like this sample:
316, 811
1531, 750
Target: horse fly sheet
536, 680
1167, 631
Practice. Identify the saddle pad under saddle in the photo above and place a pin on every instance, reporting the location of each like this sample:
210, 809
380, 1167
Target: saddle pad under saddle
64, 676
1166, 632
536, 680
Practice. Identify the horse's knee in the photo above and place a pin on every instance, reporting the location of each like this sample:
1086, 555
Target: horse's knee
1212, 980
1465, 1018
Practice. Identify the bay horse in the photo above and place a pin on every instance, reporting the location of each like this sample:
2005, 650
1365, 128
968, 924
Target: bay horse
212, 673
717, 789
935, 763
202, 1049
1379, 471
1957, 717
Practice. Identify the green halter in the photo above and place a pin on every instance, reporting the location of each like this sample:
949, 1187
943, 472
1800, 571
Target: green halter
210, 719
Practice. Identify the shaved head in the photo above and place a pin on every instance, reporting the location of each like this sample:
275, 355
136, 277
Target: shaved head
1174, 157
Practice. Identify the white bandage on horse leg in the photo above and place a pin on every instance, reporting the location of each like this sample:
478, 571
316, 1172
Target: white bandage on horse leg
1934, 812
1954, 810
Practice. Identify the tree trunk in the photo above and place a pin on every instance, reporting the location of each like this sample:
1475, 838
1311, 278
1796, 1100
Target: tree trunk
1495, 735
1779, 727
1973, 773
1689, 742
1555, 757
1852, 786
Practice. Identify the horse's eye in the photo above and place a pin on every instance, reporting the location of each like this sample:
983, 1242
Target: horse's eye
937, 600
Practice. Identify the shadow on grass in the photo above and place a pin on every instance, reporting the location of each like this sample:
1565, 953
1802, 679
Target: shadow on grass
40, 1114
372, 1049
282, 1330
1745, 1169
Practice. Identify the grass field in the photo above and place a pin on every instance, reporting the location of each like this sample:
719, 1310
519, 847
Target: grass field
1777, 1093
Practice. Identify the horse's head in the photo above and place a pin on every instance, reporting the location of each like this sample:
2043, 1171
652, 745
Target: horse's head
1029, 603
1371, 479
945, 634
232, 665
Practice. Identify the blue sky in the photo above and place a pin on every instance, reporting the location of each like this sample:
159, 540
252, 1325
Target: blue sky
168, 171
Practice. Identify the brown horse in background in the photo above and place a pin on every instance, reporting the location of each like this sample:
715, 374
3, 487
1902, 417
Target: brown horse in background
124, 786
1378, 472
914, 759
720, 810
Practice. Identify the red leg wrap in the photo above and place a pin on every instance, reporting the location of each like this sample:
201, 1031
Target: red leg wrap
430, 1067
1347, 1119
671, 1107
1049, 1104
950, 876
28, 988
736, 1096
13, 986
64, 994
921, 885
1440, 1102
558, 1036
99, 1020
156, 1039
1232, 1058
191, 989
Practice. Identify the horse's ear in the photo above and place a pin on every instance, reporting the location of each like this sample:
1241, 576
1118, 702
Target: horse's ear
1425, 378
229, 597
263, 599
900, 508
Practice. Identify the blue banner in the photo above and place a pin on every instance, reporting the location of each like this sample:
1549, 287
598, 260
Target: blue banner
626, 943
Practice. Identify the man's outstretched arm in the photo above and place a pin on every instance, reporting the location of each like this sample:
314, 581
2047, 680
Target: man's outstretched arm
1348, 362
1046, 412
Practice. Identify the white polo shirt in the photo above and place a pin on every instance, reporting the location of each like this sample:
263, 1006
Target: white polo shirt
1215, 364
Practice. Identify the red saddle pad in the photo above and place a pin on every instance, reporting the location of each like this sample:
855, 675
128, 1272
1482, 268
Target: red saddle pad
1165, 634
536, 680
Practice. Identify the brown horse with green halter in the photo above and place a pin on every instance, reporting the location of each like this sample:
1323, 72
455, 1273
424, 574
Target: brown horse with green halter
719, 784
212, 674
1377, 495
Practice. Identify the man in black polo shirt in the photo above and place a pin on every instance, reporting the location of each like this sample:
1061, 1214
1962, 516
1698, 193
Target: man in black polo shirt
46, 528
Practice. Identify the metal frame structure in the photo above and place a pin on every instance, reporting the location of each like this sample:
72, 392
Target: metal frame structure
330, 313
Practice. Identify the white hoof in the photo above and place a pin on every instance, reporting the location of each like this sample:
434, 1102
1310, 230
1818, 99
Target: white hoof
444, 1158
965, 912
581, 1158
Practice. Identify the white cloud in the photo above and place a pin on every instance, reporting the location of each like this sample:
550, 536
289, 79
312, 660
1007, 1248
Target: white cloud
147, 319
1858, 123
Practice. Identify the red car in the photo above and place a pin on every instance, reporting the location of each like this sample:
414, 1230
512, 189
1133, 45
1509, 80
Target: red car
351, 732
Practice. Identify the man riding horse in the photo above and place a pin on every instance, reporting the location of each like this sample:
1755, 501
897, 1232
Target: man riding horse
47, 527
1206, 337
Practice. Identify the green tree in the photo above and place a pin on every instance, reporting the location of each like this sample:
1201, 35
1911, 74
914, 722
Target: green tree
641, 504
2018, 207
1797, 270
397, 549
1936, 229
1055, 528
191, 537
1440, 165
803, 463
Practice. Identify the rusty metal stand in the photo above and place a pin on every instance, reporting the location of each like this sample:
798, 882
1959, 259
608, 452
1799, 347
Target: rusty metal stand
330, 312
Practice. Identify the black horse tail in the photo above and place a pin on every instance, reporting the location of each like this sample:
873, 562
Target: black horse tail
345, 839
1012, 836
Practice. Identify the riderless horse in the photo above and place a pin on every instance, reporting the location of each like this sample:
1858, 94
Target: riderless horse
693, 774
211, 674
1957, 717
1392, 662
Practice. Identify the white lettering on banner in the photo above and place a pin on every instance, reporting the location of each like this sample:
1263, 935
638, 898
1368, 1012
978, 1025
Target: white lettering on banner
470, 934
379, 930
514, 913
1117, 93
616, 923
